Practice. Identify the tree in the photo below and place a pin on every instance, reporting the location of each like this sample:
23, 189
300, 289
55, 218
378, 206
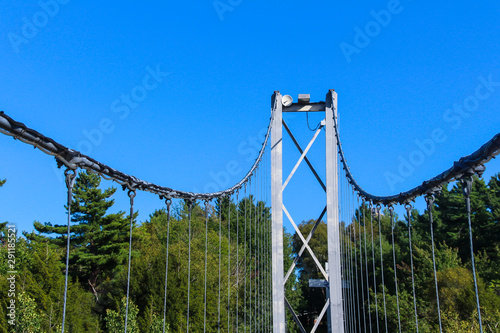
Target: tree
99, 242
28, 317
115, 320
313, 298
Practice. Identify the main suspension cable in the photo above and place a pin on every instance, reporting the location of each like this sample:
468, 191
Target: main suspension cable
474, 161
73, 159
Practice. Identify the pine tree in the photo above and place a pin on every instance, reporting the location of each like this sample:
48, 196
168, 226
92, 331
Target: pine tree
99, 241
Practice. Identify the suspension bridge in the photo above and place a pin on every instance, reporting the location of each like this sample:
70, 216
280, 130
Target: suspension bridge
355, 276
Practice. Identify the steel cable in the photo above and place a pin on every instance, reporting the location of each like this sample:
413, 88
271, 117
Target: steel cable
361, 266
220, 257
358, 307
168, 203
351, 268
190, 205
366, 268
430, 204
408, 210
229, 264
467, 189
246, 265
474, 161
391, 212
73, 159
70, 181
382, 264
131, 194
374, 271
237, 258
206, 268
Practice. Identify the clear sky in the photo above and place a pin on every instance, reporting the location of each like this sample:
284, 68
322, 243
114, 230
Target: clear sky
174, 92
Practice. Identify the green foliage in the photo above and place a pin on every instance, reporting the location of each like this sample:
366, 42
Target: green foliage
309, 300
115, 320
28, 317
238, 232
99, 242
453, 262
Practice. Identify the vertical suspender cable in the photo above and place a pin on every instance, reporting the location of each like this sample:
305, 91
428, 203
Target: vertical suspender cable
261, 271
341, 236
408, 210
237, 258
261, 254
358, 306
351, 266
250, 311
353, 278
220, 257
343, 252
169, 203
261, 261
266, 267
229, 264
467, 189
268, 252
255, 255
430, 204
70, 181
346, 258
257, 243
206, 267
361, 267
391, 211
382, 264
348, 261
131, 194
269, 273
245, 262
268, 314
374, 271
366, 269
190, 204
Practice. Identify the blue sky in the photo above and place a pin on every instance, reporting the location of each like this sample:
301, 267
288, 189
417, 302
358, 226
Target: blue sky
175, 92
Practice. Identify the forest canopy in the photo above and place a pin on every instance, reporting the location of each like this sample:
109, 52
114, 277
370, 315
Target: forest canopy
232, 238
